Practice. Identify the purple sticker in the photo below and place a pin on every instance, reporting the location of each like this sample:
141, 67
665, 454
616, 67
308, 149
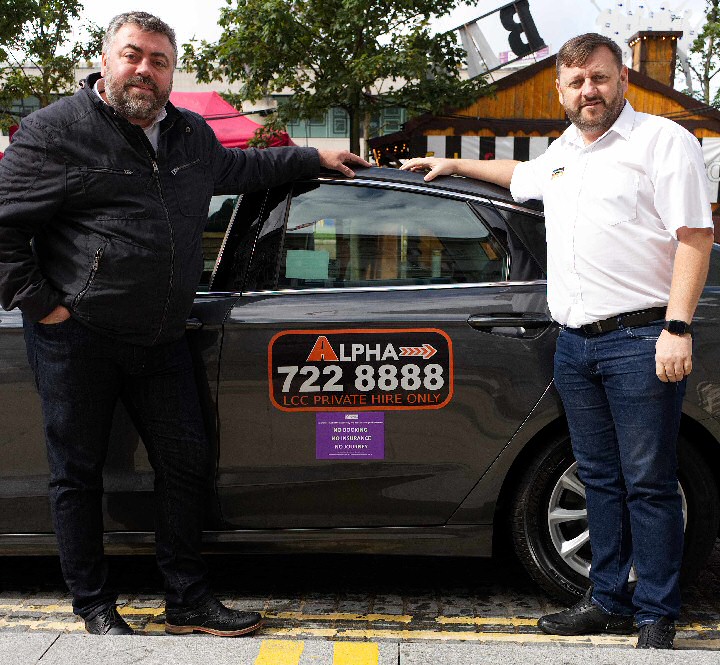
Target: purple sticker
350, 435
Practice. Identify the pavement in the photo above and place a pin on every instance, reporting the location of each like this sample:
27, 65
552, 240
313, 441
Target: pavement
336, 610
56, 648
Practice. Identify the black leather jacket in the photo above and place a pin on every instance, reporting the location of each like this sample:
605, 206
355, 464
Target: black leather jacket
115, 228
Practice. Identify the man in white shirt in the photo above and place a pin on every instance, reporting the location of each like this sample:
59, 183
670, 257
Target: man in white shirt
629, 233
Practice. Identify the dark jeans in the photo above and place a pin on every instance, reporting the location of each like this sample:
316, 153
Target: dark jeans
623, 425
80, 376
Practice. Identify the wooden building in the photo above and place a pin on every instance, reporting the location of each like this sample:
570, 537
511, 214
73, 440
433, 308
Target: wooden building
523, 114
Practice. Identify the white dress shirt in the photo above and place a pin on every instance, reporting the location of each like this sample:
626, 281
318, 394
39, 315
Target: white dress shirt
612, 211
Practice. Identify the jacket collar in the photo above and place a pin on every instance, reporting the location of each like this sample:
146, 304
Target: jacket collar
87, 85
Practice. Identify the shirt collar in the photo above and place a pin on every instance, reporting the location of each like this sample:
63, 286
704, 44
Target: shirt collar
99, 88
622, 126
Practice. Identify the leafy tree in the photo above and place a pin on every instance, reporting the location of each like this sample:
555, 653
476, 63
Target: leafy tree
704, 55
40, 58
13, 13
359, 55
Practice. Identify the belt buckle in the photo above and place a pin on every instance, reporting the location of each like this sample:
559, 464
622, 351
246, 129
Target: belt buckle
594, 328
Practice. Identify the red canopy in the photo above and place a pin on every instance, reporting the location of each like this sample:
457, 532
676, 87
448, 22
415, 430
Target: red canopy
233, 130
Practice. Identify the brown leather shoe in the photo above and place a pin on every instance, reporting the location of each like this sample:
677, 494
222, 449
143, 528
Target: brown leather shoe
586, 618
211, 616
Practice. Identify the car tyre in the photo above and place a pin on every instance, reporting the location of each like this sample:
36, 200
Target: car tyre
550, 483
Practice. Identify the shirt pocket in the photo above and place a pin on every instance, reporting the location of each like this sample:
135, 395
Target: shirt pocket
614, 199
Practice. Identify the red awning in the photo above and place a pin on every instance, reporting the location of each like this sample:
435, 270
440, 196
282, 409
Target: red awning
233, 130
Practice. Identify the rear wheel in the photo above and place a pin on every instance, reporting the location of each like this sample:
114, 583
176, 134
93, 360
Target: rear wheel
549, 518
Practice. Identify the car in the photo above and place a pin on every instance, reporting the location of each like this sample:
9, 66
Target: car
374, 357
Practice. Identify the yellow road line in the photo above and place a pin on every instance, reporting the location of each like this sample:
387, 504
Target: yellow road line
129, 610
487, 621
447, 635
280, 648
59, 626
280, 652
339, 616
65, 608
356, 653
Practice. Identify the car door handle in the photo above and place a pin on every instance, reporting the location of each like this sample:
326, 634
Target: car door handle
512, 325
505, 319
193, 324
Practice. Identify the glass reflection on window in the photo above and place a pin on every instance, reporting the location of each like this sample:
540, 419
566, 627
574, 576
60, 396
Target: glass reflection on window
363, 236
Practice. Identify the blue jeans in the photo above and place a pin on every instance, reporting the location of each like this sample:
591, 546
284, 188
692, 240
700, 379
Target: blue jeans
80, 376
623, 424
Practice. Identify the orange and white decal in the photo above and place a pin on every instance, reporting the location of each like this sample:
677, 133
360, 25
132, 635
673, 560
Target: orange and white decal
368, 369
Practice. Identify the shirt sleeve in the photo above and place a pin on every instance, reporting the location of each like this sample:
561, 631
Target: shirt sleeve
681, 185
528, 179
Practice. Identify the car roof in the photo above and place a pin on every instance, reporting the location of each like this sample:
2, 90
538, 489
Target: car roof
458, 184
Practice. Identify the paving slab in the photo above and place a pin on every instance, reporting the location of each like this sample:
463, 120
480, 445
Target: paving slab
23, 648
541, 654
201, 650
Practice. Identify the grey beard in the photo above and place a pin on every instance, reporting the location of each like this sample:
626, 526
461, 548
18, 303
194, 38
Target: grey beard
135, 107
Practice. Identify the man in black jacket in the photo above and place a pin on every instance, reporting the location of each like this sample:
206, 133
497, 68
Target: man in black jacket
103, 200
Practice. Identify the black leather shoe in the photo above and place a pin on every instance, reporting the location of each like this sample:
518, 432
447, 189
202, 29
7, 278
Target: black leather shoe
658, 635
108, 622
586, 618
211, 616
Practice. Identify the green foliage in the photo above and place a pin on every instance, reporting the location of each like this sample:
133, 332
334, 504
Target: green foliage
13, 13
359, 55
39, 59
704, 55
265, 134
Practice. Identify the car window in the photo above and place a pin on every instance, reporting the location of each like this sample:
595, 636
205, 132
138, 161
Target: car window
219, 216
345, 236
713, 278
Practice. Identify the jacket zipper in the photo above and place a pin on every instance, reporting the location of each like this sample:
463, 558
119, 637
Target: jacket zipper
156, 175
112, 171
93, 271
183, 167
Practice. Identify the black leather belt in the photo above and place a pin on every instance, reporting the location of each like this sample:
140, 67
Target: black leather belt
628, 320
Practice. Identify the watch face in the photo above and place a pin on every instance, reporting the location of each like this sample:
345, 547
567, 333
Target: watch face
677, 327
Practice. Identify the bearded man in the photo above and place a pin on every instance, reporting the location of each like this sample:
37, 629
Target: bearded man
104, 198
629, 235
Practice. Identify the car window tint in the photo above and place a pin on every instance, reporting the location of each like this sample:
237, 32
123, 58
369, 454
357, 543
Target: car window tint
219, 216
713, 277
344, 236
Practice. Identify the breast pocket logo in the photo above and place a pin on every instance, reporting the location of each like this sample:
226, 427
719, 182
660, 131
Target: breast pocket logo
360, 370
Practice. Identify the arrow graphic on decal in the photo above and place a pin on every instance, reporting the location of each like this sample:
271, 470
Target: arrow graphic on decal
426, 351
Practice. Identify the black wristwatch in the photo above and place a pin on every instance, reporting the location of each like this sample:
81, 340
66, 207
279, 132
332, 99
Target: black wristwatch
676, 327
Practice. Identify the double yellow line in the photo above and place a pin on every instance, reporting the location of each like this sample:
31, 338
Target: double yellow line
288, 640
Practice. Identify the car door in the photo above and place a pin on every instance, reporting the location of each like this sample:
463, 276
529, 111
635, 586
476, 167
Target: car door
379, 358
128, 476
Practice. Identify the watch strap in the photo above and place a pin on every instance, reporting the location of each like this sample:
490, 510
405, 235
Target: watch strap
677, 327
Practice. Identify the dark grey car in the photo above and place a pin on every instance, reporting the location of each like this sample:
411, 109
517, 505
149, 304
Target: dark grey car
375, 359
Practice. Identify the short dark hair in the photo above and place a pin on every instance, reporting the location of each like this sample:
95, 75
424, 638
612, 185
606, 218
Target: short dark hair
575, 52
144, 21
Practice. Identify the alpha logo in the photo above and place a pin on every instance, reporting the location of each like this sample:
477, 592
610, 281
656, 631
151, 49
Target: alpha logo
323, 351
